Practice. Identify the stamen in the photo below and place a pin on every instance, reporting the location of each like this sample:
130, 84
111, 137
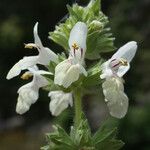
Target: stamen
74, 51
81, 52
26, 76
75, 46
123, 62
30, 45
114, 63
118, 62
113, 60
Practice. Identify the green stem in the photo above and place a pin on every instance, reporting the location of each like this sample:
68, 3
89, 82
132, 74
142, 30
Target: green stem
78, 106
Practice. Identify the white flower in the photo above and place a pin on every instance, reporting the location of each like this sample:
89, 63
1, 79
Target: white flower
44, 57
59, 101
112, 71
29, 93
69, 70
66, 72
119, 63
116, 99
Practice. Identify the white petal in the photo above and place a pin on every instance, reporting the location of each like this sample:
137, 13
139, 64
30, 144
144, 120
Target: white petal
78, 35
46, 55
122, 70
82, 70
33, 68
23, 64
106, 70
21, 107
28, 94
59, 102
71, 76
127, 51
117, 103
60, 71
35, 71
66, 73
113, 83
42, 72
116, 99
37, 40
39, 81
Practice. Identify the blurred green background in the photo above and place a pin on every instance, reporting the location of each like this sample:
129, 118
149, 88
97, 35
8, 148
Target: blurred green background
129, 19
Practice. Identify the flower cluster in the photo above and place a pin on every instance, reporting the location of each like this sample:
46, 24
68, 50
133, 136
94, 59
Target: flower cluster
29, 93
69, 71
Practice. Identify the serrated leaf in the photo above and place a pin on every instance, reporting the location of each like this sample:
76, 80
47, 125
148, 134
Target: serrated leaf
105, 138
73, 10
110, 145
102, 43
81, 135
104, 134
95, 6
60, 138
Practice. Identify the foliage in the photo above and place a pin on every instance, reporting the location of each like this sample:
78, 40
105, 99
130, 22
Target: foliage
80, 138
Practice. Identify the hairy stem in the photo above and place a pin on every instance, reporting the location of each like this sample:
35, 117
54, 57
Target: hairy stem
78, 106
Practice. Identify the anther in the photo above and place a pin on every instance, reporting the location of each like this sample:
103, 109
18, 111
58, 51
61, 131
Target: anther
26, 76
75, 46
123, 62
30, 45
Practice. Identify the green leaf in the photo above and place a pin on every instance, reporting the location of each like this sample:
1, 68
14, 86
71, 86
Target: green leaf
105, 138
80, 138
45, 147
110, 145
102, 43
95, 6
104, 134
93, 77
51, 66
81, 135
60, 139
99, 38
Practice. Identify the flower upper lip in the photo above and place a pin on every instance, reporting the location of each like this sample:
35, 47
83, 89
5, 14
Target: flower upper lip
119, 63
